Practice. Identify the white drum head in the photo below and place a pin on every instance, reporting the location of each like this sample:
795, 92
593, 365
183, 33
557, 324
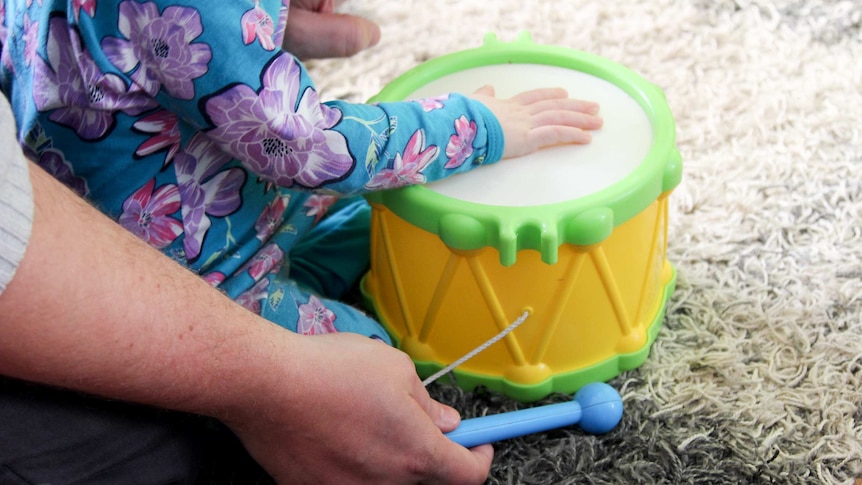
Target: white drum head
555, 174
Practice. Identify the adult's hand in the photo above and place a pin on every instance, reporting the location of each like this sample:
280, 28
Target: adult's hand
353, 411
315, 31
326, 409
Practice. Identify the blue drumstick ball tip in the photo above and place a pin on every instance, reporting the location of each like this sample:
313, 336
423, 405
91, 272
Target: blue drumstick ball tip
601, 407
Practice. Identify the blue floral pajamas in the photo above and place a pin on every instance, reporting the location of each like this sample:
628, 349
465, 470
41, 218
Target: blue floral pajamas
188, 124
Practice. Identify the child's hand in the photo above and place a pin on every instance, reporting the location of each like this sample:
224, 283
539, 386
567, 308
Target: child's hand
540, 118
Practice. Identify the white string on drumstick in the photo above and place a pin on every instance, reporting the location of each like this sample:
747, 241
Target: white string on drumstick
477, 350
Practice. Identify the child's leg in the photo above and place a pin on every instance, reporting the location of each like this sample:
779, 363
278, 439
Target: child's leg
334, 254
325, 260
303, 312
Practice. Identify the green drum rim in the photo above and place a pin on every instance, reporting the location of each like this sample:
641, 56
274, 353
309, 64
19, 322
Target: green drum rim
584, 221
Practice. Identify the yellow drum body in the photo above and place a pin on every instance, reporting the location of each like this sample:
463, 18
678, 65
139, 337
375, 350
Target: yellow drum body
447, 274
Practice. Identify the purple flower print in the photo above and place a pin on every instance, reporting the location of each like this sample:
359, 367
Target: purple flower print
432, 103
31, 39
407, 167
271, 217
279, 139
80, 95
204, 190
165, 128
315, 318
55, 163
251, 299
88, 6
460, 145
318, 205
268, 260
147, 214
158, 49
257, 24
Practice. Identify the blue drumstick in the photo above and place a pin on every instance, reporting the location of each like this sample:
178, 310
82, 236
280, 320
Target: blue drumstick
597, 408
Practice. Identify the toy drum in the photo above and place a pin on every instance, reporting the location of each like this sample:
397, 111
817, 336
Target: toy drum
575, 236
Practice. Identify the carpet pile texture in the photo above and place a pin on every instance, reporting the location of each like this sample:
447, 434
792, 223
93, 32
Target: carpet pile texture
756, 375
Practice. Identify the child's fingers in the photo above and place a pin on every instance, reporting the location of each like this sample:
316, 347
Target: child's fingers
545, 136
575, 119
541, 117
540, 94
567, 104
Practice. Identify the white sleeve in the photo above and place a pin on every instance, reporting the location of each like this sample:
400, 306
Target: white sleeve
16, 198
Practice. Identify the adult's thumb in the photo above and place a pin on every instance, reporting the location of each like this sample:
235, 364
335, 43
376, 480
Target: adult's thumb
312, 35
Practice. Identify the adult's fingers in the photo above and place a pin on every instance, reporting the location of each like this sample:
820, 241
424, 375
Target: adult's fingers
451, 462
446, 418
313, 35
456, 464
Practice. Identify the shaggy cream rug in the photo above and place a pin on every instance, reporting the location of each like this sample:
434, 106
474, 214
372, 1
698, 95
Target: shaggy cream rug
756, 376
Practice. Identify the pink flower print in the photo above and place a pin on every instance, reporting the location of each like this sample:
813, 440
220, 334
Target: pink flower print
5, 57
214, 279
268, 260
88, 6
31, 39
460, 145
158, 49
283, 140
251, 299
55, 163
204, 190
407, 167
256, 23
147, 214
164, 126
81, 96
3, 30
318, 205
315, 318
432, 103
271, 217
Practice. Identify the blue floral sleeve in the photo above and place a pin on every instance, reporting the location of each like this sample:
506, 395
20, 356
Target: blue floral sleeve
220, 69
185, 122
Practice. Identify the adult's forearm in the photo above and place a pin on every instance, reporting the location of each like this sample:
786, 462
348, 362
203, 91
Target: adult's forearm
93, 308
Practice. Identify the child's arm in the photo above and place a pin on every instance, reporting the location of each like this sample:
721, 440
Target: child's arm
315, 30
227, 77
